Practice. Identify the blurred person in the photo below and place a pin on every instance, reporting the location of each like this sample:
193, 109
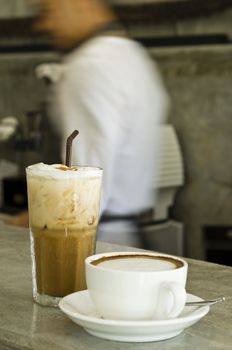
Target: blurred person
111, 91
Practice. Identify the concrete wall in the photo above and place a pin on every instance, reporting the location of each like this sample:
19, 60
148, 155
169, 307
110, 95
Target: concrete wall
199, 81
15, 8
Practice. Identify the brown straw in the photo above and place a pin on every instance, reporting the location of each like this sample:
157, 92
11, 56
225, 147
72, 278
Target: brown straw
69, 147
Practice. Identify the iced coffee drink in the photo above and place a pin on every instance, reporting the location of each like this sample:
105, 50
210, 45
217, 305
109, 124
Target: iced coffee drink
63, 213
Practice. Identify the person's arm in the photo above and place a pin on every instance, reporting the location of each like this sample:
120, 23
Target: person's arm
21, 219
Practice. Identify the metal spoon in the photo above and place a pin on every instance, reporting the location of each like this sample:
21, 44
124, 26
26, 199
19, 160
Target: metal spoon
205, 302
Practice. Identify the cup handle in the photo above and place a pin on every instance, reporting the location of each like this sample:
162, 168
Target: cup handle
171, 300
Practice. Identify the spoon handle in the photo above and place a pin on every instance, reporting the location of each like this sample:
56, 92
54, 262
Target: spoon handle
205, 302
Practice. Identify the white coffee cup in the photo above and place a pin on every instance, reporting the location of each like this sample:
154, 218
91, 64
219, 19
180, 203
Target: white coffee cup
136, 285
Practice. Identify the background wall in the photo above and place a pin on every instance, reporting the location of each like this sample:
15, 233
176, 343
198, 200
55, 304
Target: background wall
199, 81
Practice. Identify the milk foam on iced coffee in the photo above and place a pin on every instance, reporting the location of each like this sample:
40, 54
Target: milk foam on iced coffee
59, 200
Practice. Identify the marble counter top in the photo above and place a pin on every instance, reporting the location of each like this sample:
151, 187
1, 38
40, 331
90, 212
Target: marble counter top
25, 325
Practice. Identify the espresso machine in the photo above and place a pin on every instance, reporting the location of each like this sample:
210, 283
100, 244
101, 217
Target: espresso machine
22, 141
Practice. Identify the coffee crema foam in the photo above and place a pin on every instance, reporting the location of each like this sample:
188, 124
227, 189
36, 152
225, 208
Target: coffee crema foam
140, 262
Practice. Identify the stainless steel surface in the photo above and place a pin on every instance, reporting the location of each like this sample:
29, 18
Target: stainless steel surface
206, 302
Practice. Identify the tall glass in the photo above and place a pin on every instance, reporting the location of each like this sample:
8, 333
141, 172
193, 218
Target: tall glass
63, 214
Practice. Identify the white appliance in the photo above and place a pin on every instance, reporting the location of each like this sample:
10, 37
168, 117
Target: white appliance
170, 174
163, 234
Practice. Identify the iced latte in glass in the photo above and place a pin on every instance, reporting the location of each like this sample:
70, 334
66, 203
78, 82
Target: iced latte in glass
63, 214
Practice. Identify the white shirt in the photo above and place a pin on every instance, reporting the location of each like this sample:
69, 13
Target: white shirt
111, 91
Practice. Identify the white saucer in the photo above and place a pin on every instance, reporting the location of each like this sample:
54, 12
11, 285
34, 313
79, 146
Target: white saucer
80, 309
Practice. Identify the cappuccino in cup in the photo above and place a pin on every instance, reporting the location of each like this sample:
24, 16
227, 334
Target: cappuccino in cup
137, 285
63, 213
138, 262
